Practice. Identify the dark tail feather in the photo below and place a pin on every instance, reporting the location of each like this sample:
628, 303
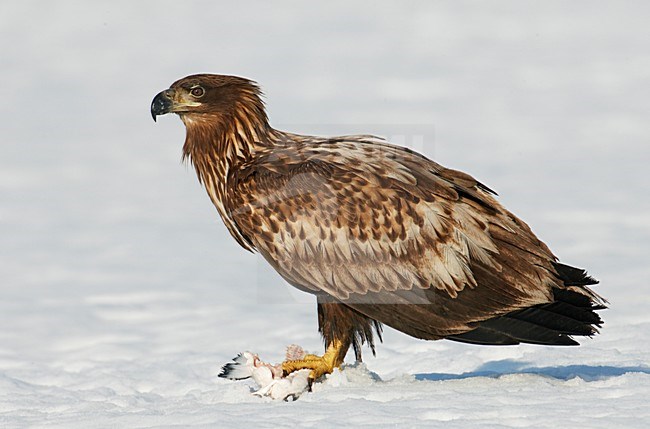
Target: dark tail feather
572, 276
577, 293
507, 330
484, 336
573, 313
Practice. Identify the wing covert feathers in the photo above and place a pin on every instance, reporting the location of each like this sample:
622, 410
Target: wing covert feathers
380, 228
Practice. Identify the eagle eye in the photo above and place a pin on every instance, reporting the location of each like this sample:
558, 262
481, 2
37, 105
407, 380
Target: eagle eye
197, 92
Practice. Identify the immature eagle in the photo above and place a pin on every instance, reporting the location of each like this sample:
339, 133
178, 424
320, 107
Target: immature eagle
379, 233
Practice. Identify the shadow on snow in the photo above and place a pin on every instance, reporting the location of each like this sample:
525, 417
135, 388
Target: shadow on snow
498, 368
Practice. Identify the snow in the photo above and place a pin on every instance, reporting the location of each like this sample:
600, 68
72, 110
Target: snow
122, 294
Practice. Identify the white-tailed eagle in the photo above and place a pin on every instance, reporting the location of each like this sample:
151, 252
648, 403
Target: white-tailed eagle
379, 233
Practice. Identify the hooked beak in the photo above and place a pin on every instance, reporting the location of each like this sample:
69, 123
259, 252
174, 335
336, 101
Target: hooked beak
162, 103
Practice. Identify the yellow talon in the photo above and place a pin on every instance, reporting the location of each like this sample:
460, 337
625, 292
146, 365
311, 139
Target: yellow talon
319, 365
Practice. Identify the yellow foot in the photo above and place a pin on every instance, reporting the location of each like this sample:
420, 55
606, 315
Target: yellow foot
319, 365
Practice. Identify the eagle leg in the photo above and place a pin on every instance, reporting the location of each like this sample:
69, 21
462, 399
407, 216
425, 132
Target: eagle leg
341, 327
319, 365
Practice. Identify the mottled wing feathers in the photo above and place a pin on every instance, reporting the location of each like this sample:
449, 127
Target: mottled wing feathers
391, 235
380, 227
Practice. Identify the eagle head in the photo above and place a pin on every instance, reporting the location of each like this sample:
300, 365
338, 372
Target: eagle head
207, 96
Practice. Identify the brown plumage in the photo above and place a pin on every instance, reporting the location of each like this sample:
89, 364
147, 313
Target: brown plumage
381, 234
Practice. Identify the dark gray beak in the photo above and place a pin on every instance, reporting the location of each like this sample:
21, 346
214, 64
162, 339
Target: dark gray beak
162, 103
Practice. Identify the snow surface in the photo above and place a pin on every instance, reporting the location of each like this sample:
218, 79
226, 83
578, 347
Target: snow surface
121, 294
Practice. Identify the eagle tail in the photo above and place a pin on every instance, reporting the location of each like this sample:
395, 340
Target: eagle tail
572, 313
